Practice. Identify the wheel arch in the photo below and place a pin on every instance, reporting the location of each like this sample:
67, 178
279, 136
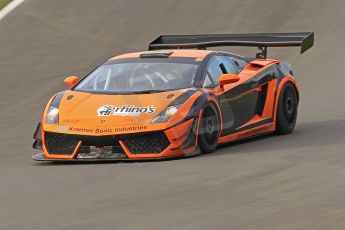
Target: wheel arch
214, 104
285, 80
205, 146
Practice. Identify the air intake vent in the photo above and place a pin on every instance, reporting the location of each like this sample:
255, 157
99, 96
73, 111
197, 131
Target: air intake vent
57, 143
156, 54
147, 143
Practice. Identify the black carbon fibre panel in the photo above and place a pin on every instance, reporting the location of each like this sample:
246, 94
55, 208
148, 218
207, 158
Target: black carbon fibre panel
183, 97
238, 106
57, 99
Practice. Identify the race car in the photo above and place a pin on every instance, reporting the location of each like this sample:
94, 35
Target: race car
176, 99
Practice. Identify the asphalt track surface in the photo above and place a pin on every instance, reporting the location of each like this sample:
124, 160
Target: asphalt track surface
274, 182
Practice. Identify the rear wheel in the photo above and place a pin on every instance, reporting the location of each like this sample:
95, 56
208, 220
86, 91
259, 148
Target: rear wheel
287, 109
208, 130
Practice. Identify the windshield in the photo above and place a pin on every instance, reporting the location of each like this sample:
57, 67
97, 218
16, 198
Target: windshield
140, 76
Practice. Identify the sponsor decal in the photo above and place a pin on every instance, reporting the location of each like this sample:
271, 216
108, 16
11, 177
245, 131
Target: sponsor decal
106, 130
63, 128
120, 130
131, 128
124, 110
83, 130
70, 120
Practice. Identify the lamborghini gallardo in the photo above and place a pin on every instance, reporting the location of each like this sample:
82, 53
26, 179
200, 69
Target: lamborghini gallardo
177, 99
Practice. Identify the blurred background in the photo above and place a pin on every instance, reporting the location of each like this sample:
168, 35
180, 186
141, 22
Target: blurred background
274, 182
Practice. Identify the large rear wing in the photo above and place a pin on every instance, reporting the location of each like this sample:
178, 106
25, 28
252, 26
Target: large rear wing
261, 40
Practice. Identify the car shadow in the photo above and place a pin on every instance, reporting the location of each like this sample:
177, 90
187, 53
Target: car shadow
307, 134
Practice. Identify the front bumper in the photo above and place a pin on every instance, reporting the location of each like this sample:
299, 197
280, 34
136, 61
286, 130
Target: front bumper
177, 141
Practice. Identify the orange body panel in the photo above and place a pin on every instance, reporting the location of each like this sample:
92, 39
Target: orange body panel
87, 123
174, 149
74, 122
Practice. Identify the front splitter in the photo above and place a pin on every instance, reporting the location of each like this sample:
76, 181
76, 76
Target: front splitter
40, 157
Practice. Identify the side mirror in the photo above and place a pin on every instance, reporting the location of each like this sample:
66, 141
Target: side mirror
228, 78
71, 81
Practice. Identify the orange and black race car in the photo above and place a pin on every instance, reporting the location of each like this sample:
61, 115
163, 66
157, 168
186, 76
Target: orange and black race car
177, 99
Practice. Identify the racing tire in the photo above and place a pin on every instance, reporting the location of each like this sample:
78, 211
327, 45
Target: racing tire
209, 130
287, 110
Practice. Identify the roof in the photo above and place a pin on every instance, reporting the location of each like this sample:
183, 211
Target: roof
175, 53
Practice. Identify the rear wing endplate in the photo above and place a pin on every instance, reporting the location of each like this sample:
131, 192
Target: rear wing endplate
261, 40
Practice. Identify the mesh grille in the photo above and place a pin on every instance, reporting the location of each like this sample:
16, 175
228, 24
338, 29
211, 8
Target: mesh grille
57, 143
147, 143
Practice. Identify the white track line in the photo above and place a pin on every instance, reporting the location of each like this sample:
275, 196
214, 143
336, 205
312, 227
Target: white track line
11, 6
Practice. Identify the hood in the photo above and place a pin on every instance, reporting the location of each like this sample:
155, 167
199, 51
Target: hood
81, 109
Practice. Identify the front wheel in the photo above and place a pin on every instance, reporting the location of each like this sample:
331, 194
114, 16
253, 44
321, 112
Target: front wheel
208, 130
287, 109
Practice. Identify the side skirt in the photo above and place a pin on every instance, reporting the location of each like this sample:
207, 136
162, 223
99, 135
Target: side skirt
248, 133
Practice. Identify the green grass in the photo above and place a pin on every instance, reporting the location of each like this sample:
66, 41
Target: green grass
3, 3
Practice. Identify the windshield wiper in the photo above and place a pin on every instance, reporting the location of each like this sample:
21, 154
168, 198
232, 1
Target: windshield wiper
148, 91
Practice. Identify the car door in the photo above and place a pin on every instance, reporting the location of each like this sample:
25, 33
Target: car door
238, 104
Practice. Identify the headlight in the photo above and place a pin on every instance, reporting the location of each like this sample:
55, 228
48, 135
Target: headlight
52, 115
165, 115
170, 111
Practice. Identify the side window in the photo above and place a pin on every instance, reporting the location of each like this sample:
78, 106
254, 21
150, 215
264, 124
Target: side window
229, 65
240, 64
217, 66
208, 83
